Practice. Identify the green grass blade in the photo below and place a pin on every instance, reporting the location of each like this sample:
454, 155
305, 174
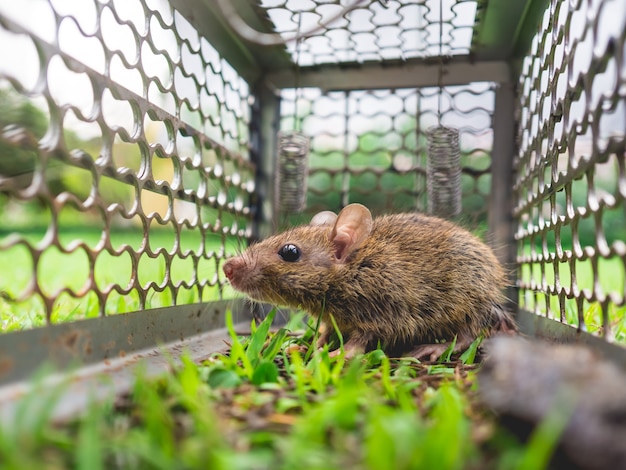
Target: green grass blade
313, 344
337, 332
265, 372
469, 355
447, 354
89, 453
546, 436
448, 437
258, 338
275, 345
237, 352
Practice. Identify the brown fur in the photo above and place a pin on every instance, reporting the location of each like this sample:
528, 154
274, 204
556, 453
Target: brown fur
414, 280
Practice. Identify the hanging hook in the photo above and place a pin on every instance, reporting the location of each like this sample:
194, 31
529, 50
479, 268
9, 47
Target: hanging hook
297, 73
440, 71
293, 151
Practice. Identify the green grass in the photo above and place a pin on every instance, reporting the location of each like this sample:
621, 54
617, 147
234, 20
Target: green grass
270, 402
611, 278
57, 270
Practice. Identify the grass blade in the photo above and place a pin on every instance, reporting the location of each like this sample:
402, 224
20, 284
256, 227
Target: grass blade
546, 436
469, 355
258, 338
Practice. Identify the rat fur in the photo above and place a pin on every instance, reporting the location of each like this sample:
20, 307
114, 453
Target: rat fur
408, 282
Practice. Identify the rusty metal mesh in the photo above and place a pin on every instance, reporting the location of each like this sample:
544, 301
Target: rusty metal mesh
571, 169
371, 146
124, 168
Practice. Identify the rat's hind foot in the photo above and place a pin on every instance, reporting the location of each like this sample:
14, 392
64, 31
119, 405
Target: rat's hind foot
503, 321
432, 352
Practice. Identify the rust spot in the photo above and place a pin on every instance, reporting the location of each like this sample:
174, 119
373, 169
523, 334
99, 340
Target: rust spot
109, 345
87, 349
130, 339
122, 354
69, 340
6, 365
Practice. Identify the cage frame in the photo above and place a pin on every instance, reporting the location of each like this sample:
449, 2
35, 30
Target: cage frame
496, 58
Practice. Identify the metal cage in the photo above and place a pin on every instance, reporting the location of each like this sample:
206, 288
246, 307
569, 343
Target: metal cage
141, 137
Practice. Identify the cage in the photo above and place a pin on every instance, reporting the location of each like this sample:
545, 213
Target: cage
138, 144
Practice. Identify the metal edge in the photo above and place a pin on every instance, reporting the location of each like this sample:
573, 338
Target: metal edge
501, 202
528, 26
87, 342
505, 28
557, 332
408, 74
269, 123
66, 393
249, 60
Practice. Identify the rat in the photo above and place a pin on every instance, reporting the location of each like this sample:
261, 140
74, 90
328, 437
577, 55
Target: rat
409, 283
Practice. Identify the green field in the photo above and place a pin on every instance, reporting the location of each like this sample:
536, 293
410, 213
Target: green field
57, 270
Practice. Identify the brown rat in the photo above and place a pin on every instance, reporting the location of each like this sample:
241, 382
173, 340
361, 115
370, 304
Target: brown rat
404, 281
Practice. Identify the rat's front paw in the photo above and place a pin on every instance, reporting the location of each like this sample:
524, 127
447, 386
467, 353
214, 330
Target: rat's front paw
352, 348
323, 337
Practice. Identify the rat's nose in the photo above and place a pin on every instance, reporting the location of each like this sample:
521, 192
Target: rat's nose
234, 270
229, 269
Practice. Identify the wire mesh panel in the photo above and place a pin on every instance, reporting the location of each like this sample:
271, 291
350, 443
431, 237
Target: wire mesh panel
375, 31
371, 146
124, 168
571, 183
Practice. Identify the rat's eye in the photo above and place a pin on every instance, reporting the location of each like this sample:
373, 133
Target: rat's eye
289, 253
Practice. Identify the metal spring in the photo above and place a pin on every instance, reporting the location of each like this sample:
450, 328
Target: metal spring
291, 171
443, 172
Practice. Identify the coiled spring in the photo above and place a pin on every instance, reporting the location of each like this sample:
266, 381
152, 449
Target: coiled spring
443, 172
291, 171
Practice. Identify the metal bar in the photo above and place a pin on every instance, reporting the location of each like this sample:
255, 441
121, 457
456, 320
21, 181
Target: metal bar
542, 327
501, 223
87, 342
268, 122
506, 28
109, 378
256, 157
417, 73
249, 60
346, 176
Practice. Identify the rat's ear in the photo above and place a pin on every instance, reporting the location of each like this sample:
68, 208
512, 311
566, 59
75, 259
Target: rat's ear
324, 218
353, 226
